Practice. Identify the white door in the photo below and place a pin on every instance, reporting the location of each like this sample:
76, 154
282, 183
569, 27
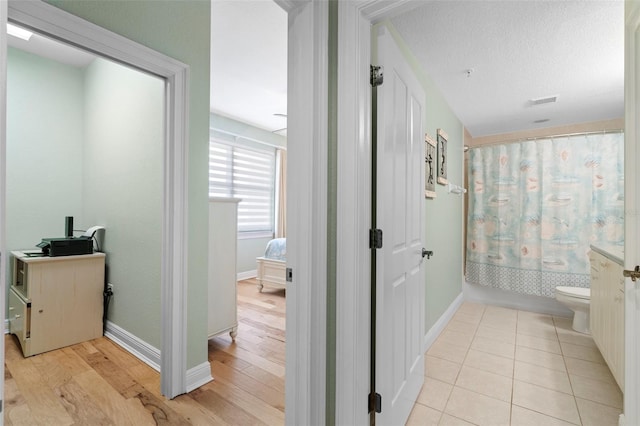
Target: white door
632, 216
400, 278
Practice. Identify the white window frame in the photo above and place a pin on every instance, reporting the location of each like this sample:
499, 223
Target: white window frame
258, 233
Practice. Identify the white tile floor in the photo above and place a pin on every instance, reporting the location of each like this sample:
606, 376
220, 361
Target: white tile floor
497, 366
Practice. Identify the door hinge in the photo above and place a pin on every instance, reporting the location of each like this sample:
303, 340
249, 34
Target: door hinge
377, 75
375, 402
289, 275
375, 238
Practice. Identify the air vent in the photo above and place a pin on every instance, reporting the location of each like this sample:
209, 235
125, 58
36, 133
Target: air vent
544, 120
542, 101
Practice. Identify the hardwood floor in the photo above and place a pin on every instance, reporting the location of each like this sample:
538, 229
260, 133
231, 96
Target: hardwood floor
98, 383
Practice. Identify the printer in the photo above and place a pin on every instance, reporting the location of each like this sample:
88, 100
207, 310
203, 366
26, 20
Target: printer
66, 246
69, 245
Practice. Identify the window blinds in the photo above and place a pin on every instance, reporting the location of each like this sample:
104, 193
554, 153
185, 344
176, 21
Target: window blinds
247, 174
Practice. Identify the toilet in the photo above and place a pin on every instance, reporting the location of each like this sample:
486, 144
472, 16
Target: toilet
577, 299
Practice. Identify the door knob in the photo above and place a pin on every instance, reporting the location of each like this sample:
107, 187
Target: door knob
634, 275
427, 253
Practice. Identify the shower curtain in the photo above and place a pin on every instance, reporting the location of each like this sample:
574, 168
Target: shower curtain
536, 206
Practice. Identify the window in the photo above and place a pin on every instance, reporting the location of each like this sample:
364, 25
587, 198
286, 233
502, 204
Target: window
248, 174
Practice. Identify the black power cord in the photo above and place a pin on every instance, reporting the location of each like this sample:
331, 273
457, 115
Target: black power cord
108, 293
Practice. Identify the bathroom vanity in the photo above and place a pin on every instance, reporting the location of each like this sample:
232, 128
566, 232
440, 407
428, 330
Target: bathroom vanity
607, 306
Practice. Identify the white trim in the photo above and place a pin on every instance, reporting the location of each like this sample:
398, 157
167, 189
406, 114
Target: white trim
198, 376
355, 18
239, 138
378, 10
305, 387
442, 322
66, 27
353, 263
4, 258
254, 235
131, 343
173, 287
225, 199
150, 355
289, 5
6, 326
512, 300
632, 214
247, 275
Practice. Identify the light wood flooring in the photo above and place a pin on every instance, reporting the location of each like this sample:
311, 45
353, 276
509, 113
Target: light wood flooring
98, 383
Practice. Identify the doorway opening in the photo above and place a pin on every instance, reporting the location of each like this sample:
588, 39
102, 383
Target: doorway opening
85, 139
169, 79
248, 145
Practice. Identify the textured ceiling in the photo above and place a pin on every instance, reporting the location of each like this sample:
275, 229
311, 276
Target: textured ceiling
249, 62
519, 51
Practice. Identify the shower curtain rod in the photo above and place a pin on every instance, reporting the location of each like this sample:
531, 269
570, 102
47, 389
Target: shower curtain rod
533, 138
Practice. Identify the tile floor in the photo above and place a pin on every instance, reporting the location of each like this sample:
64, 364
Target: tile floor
497, 366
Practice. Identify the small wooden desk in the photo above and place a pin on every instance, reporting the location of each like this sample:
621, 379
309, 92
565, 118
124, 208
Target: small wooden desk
56, 301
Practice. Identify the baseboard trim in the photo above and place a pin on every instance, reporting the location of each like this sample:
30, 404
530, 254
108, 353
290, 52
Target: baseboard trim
134, 345
442, 322
247, 275
510, 299
198, 376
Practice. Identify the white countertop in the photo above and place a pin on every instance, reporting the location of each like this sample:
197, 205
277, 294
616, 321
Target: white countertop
612, 252
24, 256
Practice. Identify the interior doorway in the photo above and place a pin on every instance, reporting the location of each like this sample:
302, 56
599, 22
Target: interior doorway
78, 129
50, 21
248, 137
307, 124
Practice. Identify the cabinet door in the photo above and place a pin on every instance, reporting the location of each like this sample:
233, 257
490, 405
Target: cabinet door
66, 302
618, 336
19, 320
598, 314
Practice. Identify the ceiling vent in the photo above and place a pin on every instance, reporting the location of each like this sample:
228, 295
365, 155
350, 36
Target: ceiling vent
542, 101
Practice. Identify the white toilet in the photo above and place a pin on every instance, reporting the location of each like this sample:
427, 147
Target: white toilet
577, 299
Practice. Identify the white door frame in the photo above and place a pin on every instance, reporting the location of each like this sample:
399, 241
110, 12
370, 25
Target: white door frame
307, 153
68, 28
632, 212
354, 202
3, 182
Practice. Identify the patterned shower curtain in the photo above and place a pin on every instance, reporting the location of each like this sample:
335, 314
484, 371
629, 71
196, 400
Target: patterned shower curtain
536, 206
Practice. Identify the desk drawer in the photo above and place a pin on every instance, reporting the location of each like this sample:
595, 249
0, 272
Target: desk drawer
20, 320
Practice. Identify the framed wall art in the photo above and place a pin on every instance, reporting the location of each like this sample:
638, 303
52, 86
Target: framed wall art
442, 157
430, 154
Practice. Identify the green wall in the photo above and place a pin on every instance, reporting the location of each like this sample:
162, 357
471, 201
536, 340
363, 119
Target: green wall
44, 148
179, 29
248, 250
246, 132
123, 154
88, 143
443, 214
